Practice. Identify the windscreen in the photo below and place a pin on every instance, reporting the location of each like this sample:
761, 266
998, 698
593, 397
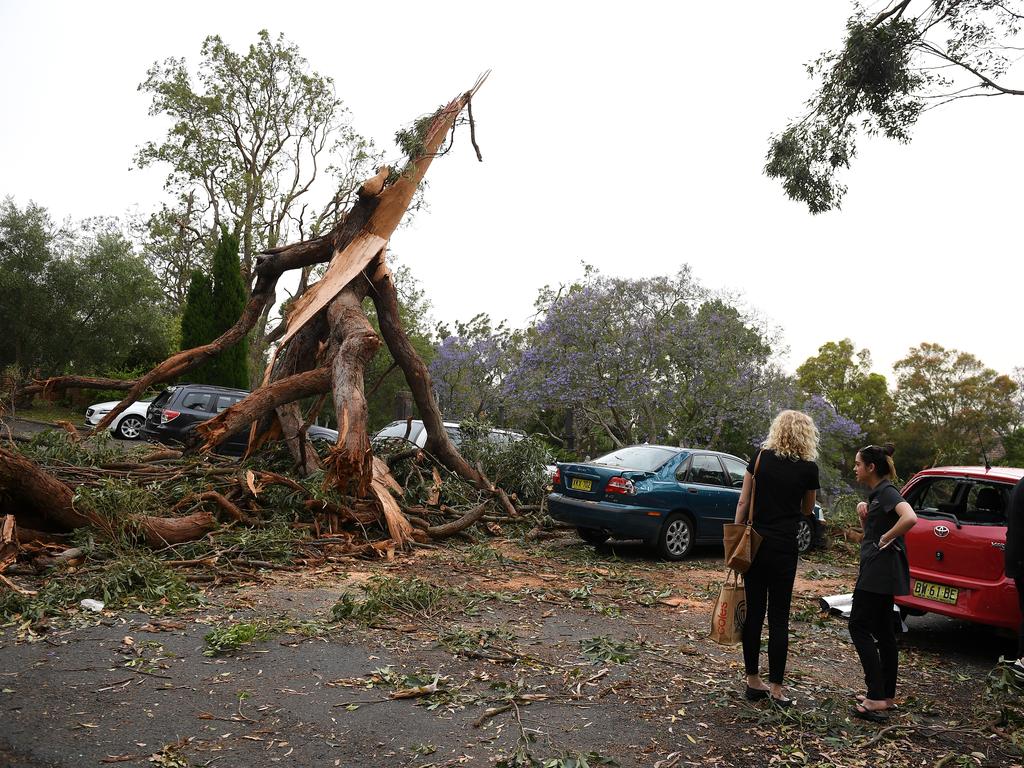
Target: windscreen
645, 458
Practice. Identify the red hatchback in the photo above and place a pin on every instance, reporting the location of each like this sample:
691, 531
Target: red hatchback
956, 548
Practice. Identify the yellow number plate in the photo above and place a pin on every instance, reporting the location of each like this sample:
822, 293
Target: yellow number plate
940, 593
579, 484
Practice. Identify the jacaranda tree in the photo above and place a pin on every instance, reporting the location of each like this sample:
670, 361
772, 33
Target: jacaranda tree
656, 359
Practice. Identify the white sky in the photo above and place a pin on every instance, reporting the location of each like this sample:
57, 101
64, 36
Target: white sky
628, 135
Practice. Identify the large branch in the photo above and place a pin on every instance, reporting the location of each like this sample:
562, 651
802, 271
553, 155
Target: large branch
46, 498
263, 400
385, 299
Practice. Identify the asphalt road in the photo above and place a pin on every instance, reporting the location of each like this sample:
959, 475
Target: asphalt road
27, 428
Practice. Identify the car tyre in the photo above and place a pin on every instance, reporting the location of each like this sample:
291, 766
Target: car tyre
130, 428
804, 535
592, 536
676, 538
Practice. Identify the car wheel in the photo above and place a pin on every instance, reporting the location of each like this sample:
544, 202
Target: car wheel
804, 535
130, 428
676, 539
592, 535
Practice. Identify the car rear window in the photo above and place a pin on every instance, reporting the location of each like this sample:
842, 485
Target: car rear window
964, 500
161, 400
646, 458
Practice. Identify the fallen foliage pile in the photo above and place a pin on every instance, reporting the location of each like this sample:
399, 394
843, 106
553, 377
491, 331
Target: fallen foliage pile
156, 522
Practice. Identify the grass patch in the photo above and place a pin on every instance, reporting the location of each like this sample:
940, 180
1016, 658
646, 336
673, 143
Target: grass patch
51, 413
234, 636
410, 598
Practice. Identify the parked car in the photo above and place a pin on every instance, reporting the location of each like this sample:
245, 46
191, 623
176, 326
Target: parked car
671, 498
129, 425
176, 412
956, 548
415, 432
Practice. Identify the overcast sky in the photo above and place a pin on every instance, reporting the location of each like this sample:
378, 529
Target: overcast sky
627, 135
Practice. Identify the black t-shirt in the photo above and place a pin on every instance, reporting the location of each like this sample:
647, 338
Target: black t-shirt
885, 571
781, 485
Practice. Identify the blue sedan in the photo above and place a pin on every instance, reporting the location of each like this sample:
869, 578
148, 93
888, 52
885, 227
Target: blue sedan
672, 498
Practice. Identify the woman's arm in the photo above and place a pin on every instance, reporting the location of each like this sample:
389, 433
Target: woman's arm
744, 502
907, 519
808, 502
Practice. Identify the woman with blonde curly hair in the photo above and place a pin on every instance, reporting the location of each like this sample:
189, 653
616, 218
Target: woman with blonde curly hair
787, 482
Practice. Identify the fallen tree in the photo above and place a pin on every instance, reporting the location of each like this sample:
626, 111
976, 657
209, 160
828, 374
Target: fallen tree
323, 347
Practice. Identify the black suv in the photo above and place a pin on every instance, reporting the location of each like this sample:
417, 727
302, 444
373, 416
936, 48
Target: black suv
173, 416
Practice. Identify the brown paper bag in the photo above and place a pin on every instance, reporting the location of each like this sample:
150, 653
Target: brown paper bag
741, 544
730, 611
740, 539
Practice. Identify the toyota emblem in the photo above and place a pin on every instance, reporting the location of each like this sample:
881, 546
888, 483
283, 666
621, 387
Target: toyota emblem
941, 531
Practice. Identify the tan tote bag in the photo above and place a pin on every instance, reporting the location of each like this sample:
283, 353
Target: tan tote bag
741, 540
730, 611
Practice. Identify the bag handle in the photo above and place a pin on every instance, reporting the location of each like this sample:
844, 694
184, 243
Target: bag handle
753, 489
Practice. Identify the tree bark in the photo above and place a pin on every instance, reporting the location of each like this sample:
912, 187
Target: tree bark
352, 459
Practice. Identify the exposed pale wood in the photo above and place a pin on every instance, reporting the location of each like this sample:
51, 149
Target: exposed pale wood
346, 265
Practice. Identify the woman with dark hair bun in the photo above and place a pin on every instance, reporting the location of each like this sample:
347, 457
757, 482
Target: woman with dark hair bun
884, 572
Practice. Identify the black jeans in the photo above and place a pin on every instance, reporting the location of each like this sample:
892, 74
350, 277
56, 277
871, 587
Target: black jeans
769, 585
1019, 581
873, 632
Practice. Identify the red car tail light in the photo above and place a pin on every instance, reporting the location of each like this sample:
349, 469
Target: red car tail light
620, 485
557, 477
169, 415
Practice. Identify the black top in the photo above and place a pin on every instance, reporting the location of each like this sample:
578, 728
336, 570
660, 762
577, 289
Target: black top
1015, 532
884, 571
781, 485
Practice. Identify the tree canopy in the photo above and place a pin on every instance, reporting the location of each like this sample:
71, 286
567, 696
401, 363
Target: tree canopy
894, 65
251, 135
110, 307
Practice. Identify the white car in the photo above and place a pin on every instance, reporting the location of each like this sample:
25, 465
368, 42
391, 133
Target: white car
415, 432
129, 423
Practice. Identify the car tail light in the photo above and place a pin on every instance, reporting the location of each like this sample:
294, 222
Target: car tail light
557, 477
620, 485
169, 415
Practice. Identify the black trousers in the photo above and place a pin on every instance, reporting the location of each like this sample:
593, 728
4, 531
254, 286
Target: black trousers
769, 585
1019, 581
873, 632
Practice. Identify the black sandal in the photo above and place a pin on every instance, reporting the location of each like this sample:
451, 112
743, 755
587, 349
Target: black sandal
871, 715
782, 703
756, 694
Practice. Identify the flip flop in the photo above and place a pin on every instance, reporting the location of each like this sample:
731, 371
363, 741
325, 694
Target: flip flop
871, 715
